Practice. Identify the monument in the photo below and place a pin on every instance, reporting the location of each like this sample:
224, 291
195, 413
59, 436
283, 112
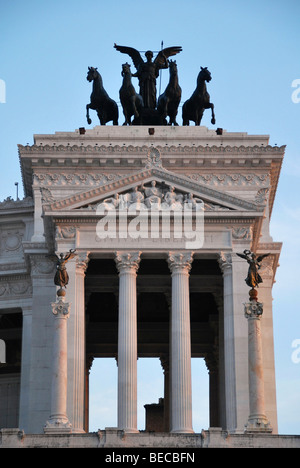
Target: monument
128, 245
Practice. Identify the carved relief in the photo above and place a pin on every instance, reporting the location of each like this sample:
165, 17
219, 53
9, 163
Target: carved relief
15, 286
11, 243
41, 265
68, 232
230, 179
61, 179
242, 233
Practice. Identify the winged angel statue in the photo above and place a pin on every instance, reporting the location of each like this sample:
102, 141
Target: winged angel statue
253, 277
147, 72
61, 276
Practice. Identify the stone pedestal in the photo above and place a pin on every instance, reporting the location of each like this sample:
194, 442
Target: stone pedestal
127, 264
257, 421
181, 379
58, 421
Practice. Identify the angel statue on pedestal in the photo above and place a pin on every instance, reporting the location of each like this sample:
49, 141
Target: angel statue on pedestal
253, 278
61, 277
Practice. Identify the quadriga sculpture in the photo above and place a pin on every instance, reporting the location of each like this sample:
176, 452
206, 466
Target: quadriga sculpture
168, 102
132, 102
194, 107
105, 107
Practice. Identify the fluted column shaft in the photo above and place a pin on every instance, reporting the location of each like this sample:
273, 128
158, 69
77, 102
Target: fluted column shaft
181, 378
127, 264
58, 421
257, 421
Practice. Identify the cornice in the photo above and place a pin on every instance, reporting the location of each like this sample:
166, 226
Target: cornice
166, 149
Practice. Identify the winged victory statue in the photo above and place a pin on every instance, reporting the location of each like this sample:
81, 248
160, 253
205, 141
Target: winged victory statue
253, 278
148, 71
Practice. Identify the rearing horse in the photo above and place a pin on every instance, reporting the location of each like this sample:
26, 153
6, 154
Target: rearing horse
132, 102
168, 102
194, 107
105, 107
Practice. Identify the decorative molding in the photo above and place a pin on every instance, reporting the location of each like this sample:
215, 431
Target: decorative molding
180, 149
231, 179
261, 196
78, 179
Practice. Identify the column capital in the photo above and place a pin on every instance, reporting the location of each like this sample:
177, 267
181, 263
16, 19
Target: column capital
253, 310
127, 261
61, 309
82, 259
225, 261
180, 261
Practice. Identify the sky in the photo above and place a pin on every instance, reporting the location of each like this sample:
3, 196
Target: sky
252, 51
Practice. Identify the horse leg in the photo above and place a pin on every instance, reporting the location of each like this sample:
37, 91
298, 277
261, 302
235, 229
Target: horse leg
213, 119
125, 115
88, 115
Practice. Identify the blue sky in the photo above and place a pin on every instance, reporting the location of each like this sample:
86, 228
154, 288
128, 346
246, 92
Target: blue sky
252, 51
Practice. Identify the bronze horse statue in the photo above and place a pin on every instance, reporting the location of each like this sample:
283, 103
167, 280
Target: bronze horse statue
168, 102
194, 107
105, 107
132, 103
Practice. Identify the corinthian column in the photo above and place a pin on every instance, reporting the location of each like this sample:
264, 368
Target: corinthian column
127, 264
181, 379
58, 421
257, 421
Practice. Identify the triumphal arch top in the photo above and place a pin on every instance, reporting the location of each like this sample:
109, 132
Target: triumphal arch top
155, 218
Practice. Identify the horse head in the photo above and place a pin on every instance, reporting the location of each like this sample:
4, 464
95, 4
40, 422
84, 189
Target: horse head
126, 69
92, 74
204, 74
173, 67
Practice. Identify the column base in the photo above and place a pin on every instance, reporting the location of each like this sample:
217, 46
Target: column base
258, 423
182, 431
130, 431
58, 426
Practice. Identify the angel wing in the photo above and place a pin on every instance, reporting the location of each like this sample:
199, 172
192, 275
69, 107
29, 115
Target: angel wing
242, 256
259, 259
133, 53
167, 52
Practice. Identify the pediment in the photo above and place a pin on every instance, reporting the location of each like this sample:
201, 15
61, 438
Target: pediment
164, 181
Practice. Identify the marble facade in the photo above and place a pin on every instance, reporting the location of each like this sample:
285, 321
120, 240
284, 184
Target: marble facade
228, 180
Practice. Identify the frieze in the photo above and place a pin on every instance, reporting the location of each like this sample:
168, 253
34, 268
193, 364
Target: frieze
15, 286
231, 179
61, 179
